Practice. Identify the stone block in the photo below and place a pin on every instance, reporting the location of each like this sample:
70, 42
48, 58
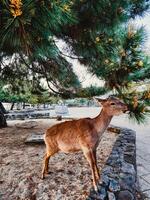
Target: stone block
114, 186
36, 138
111, 196
119, 176
125, 195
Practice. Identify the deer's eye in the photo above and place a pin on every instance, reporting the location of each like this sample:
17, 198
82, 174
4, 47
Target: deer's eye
112, 104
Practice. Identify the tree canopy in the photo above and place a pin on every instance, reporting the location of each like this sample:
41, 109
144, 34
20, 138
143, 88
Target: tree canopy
98, 33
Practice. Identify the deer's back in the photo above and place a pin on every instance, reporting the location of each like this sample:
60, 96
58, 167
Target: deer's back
69, 136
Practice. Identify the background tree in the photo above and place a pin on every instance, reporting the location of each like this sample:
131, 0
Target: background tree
97, 34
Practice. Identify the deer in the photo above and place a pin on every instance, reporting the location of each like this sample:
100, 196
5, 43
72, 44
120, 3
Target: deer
82, 135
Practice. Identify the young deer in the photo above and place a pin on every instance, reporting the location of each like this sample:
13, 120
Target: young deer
83, 134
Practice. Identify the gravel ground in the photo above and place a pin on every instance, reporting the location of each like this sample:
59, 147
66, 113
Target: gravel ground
21, 164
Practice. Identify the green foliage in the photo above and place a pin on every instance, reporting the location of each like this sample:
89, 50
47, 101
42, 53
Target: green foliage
138, 113
97, 33
137, 102
36, 49
7, 97
91, 91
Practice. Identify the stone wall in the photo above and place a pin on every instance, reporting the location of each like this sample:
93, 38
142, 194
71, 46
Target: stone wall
26, 115
119, 176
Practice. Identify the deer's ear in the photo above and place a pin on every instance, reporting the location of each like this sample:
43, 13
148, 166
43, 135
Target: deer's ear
102, 101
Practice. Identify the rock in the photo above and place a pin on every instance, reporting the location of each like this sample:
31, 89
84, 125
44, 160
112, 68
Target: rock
114, 161
125, 195
95, 196
35, 138
114, 186
111, 196
102, 193
115, 155
105, 180
127, 181
27, 125
59, 118
98, 195
119, 172
127, 168
129, 157
107, 170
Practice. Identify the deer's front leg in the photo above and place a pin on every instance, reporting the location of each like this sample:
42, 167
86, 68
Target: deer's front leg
88, 153
96, 168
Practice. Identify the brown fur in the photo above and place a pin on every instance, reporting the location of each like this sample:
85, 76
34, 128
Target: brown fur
83, 134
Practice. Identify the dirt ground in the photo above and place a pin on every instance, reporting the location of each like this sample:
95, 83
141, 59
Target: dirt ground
21, 164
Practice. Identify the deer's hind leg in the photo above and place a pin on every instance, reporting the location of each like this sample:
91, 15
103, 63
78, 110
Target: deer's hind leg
46, 162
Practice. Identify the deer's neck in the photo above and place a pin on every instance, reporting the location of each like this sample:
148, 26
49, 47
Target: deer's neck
102, 121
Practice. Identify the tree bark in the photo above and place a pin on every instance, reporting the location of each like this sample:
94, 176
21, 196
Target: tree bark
3, 122
24, 105
12, 106
2, 108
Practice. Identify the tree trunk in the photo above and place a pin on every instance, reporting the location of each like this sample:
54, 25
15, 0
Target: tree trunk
24, 105
12, 106
3, 122
2, 108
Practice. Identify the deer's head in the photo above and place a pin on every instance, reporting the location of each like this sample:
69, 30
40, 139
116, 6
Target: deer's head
113, 106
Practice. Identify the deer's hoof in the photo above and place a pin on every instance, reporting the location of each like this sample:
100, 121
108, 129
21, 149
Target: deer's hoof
95, 188
42, 177
48, 172
100, 182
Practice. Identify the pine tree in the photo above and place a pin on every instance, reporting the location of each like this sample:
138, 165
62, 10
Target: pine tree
98, 33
